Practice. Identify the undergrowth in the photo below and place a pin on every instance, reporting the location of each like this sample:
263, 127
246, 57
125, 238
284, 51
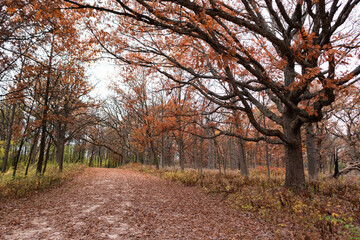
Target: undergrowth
327, 209
21, 185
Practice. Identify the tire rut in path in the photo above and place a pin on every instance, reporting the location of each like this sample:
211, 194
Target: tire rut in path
122, 204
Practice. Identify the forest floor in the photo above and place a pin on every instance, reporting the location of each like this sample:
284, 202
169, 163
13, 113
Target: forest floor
123, 204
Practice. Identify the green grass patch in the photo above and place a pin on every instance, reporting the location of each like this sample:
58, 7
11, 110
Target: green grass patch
21, 185
327, 209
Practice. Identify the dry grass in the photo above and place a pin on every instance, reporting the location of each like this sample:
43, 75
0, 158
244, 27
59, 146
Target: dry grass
24, 185
327, 209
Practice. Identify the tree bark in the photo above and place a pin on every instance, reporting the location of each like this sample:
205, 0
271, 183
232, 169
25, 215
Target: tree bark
16, 160
201, 155
232, 154
311, 150
47, 156
196, 153
336, 164
60, 144
32, 151
91, 156
123, 158
60, 147
256, 152
162, 157
181, 153
8, 140
210, 154
295, 175
100, 157
154, 153
267, 160
244, 170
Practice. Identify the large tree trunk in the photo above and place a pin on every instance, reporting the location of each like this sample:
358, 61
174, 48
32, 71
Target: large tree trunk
294, 175
42, 148
170, 156
91, 156
123, 157
312, 155
100, 157
154, 153
82, 151
232, 154
60, 144
219, 156
294, 165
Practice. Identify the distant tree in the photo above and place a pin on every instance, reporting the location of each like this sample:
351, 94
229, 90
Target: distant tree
42, 59
346, 123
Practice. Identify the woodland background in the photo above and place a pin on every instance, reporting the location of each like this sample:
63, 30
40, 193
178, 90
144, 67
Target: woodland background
265, 88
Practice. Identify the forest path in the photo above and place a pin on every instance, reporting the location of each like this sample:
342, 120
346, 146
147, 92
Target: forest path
122, 204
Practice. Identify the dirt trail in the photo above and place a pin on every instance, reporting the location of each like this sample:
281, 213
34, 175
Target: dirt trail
122, 204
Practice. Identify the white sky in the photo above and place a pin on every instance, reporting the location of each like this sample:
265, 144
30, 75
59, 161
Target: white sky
101, 73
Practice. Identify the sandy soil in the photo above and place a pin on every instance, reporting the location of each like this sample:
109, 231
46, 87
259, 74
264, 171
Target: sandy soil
122, 204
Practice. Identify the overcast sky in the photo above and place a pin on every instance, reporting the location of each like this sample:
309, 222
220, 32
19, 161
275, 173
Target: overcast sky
101, 73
